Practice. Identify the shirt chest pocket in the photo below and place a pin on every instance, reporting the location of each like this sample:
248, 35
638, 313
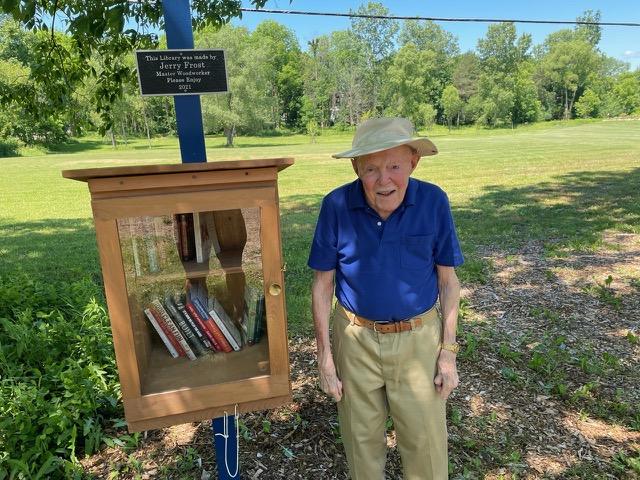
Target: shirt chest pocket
416, 251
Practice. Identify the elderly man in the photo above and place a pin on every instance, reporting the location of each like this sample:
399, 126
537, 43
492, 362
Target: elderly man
387, 244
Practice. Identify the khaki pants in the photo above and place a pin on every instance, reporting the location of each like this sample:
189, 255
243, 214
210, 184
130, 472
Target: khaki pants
392, 374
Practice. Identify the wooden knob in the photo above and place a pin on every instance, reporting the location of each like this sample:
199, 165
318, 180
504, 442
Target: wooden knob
275, 289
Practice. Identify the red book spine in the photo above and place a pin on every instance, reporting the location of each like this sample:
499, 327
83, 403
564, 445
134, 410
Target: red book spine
167, 332
225, 346
219, 336
202, 326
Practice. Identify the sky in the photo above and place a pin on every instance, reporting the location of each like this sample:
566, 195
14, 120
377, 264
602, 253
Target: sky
622, 43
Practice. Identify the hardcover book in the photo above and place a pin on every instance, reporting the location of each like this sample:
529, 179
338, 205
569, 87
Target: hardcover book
182, 324
167, 331
223, 321
222, 342
184, 236
193, 324
174, 329
161, 333
191, 310
251, 303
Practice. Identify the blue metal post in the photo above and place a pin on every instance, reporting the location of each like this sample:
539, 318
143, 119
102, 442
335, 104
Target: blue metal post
177, 18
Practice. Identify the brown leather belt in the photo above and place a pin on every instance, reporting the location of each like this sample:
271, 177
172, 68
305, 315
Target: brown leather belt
385, 327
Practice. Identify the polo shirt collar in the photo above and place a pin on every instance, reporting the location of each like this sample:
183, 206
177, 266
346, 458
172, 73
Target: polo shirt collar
355, 196
356, 199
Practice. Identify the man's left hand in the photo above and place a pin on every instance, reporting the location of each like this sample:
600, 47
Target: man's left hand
447, 378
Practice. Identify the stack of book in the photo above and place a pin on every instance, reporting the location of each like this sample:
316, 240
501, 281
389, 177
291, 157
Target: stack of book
191, 329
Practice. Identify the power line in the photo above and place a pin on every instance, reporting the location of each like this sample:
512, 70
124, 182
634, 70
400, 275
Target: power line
438, 19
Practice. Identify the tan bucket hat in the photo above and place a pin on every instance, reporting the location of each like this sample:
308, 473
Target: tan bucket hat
377, 134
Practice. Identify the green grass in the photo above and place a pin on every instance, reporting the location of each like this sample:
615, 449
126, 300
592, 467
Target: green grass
562, 182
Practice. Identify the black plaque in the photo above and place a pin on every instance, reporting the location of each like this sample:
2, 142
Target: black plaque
181, 72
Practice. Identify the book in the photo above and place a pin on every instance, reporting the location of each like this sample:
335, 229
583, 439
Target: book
193, 324
250, 304
150, 244
136, 255
167, 331
182, 324
206, 238
174, 329
260, 323
191, 310
225, 324
163, 336
185, 239
222, 342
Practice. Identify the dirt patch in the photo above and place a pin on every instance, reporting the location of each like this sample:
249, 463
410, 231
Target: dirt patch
550, 379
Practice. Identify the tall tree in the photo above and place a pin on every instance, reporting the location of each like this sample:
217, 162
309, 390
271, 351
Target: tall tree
590, 33
428, 35
411, 83
377, 35
501, 51
567, 68
111, 27
285, 65
248, 105
465, 74
452, 105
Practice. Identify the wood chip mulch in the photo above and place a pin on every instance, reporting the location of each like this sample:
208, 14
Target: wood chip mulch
504, 421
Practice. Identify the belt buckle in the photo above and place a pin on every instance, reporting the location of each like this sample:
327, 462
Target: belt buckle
375, 324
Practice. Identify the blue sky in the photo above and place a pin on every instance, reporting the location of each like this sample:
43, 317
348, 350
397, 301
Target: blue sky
622, 43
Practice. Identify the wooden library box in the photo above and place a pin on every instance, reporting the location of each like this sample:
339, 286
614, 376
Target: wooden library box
193, 274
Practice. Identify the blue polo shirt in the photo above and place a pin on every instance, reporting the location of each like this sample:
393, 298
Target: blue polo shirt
386, 269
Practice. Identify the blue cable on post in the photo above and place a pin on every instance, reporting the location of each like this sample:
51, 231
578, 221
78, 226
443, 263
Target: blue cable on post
177, 19
225, 435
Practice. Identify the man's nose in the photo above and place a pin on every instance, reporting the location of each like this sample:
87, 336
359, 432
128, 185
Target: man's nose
385, 177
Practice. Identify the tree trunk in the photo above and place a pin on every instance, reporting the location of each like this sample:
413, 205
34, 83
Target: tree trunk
573, 98
123, 128
566, 104
146, 124
229, 132
113, 138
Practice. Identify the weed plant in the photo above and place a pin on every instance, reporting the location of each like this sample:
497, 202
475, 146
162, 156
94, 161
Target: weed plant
58, 380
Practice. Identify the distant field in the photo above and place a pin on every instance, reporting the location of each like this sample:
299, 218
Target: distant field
563, 183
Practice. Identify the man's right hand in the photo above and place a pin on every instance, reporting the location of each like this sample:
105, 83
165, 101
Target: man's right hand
329, 381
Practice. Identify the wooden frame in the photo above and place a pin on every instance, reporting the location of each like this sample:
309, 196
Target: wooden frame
158, 390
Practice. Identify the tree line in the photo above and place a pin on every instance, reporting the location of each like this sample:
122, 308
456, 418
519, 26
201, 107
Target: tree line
375, 67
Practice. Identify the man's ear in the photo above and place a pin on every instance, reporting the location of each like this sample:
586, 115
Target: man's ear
415, 158
354, 164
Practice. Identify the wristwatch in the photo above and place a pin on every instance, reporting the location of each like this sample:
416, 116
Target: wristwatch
452, 347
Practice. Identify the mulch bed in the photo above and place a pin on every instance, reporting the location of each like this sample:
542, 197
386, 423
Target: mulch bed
498, 427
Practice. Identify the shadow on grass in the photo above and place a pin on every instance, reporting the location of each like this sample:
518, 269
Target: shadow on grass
55, 250
572, 210
251, 145
77, 146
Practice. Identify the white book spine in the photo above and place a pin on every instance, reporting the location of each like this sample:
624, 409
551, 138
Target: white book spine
197, 233
154, 322
224, 330
231, 327
176, 333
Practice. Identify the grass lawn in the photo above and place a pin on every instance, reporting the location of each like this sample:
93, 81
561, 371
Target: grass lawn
564, 183
549, 219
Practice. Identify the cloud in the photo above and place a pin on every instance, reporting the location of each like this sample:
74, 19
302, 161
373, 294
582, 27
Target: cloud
632, 53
